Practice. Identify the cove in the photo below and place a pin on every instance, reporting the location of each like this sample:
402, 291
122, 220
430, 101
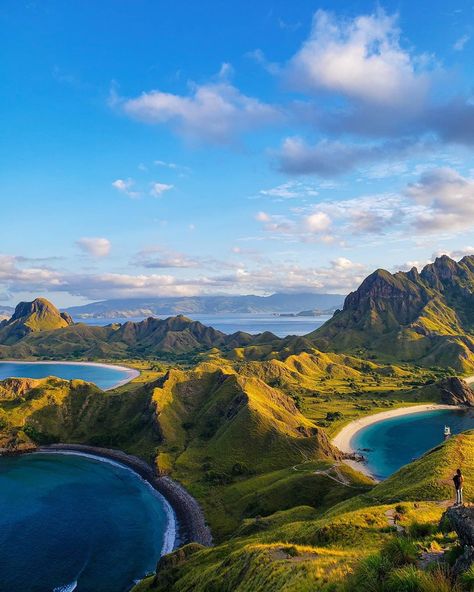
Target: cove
392, 443
75, 522
105, 376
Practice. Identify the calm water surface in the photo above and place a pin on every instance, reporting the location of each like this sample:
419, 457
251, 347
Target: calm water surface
105, 377
70, 522
250, 323
395, 442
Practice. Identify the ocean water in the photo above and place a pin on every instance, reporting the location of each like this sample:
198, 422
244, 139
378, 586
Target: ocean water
395, 442
105, 377
70, 522
250, 323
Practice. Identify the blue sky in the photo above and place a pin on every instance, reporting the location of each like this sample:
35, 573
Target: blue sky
180, 148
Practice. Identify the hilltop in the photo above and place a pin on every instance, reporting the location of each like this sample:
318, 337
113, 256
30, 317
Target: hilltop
424, 318
31, 317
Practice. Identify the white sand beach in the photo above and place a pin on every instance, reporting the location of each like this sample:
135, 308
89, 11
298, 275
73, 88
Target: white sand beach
344, 437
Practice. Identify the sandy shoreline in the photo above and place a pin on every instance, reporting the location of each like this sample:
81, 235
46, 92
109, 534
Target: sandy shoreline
343, 439
191, 524
132, 373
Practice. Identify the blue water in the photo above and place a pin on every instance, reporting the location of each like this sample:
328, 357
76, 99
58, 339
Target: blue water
67, 518
250, 323
105, 377
395, 442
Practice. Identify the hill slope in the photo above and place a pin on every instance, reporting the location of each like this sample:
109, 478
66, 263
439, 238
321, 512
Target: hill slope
350, 548
424, 317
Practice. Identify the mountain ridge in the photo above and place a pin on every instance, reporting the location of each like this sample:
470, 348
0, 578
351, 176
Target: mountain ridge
425, 317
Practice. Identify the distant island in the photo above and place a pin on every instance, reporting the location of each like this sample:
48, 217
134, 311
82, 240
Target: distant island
143, 307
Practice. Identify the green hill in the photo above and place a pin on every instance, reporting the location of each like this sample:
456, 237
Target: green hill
31, 317
38, 330
353, 547
424, 318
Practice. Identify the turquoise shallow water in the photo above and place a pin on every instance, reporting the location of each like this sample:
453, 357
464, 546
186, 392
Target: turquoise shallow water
395, 442
66, 518
105, 377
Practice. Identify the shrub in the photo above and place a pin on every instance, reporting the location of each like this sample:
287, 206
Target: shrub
467, 578
371, 574
420, 530
400, 551
401, 509
217, 478
240, 468
406, 579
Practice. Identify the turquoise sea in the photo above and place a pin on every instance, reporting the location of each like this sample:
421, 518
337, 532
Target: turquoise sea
70, 522
392, 443
104, 376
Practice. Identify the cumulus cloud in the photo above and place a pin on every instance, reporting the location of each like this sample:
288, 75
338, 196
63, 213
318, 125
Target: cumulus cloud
215, 112
305, 227
447, 197
340, 276
360, 58
95, 246
125, 186
333, 158
157, 189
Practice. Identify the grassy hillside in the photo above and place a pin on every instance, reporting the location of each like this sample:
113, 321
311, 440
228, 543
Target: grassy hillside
353, 547
416, 317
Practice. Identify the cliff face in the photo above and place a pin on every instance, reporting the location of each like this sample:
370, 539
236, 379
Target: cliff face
456, 392
425, 317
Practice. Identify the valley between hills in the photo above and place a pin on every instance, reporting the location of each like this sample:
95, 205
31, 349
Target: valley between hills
245, 422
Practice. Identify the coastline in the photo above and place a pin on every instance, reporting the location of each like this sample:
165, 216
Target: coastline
190, 524
342, 440
132, 373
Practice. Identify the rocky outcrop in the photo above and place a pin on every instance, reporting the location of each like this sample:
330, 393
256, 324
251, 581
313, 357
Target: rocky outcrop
461, 520
455, 391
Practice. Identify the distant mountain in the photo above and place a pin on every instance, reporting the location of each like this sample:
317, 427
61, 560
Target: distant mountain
142, 307
30, 317
425, 317
38, 329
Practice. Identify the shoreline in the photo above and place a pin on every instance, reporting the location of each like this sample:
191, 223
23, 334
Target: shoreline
190, 523
132, 373
343, 438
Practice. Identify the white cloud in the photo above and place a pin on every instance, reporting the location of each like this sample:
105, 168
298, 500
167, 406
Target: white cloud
447, 198
157, 189
461, 42
160, 258
262, 217
361, 59
339, 276
317, 222
125, 186
97, 247
216, 112
290, 190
